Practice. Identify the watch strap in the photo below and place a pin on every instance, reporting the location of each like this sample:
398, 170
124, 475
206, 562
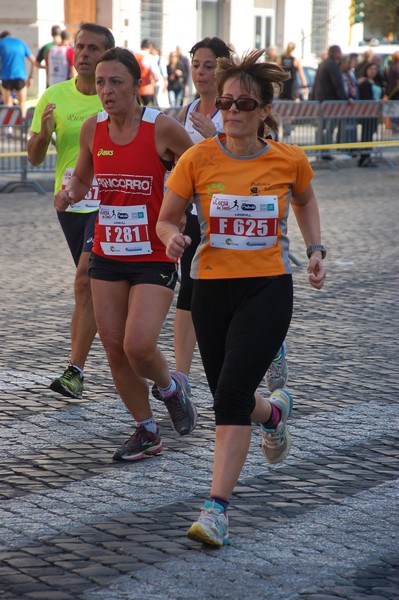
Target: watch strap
316, 248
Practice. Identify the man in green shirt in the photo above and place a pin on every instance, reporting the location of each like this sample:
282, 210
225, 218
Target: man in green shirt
60, 112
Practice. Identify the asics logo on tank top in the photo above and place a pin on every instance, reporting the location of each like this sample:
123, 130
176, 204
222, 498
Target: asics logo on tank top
102, 152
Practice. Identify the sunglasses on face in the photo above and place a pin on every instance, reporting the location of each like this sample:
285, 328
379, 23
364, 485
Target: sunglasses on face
245, 104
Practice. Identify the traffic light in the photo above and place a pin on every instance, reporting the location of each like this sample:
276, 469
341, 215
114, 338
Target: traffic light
357, 12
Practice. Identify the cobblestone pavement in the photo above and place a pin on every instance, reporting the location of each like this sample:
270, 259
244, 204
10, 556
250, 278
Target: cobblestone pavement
324, 525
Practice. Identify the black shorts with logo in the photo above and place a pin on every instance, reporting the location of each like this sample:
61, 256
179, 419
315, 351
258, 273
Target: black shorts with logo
156, 273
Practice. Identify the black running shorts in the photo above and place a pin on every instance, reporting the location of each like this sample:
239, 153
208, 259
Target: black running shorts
156, 273
78, 229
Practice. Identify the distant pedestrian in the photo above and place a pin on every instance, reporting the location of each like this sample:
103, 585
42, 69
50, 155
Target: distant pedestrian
60, 60
149, 77
392, 88
13, 55
347, 128
161, 85
272, 54
291, 90
329, 85
42, 53
176, 80
293, 66
368, 90
185, 61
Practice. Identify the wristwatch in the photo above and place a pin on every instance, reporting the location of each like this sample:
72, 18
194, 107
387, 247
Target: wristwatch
316, 248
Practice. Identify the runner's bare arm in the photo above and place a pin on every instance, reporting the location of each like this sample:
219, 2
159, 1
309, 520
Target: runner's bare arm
171, 138
38, 143
307, 215
168, 226
81, 180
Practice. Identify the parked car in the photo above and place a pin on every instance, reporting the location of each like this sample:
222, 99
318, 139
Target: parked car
310, 73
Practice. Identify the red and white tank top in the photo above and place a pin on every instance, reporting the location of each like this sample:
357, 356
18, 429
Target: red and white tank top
130, 182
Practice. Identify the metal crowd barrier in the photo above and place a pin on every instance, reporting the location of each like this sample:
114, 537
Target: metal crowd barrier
299, 122
332, 126
344, 127
13, 156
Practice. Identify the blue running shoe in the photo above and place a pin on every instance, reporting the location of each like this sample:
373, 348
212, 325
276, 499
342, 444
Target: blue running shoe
276, 443
212, 527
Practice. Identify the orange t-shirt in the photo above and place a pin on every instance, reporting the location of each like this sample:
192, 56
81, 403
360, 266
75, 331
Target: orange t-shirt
242, 204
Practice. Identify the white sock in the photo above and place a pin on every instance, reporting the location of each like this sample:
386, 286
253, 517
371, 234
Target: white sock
169, 390
149, 424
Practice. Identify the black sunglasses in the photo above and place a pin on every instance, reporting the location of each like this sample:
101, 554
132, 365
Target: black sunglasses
245, 104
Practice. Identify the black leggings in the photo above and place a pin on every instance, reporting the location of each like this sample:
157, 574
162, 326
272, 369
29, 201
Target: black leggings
240, 325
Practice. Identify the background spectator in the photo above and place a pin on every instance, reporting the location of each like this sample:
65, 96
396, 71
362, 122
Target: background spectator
13, 54
42, 53
271, 54
186, 66
60, 60
148, 74
176, 80
347, 128
351, 86
392, 87
159, 68
368, 90
293, 66
329, 85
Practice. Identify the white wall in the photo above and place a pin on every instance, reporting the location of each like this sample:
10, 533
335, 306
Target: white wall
297, 27
241, 25
115, 14
339, 29
179, 25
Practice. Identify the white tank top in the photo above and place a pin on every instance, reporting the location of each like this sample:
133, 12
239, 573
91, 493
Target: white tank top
195, 135
58, 65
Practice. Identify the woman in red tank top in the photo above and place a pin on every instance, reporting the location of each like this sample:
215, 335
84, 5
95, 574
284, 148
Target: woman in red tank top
129, 148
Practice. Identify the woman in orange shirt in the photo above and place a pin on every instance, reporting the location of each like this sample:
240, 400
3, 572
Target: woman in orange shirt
243, 186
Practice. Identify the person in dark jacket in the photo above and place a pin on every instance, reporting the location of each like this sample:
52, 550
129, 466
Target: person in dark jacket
328, 85
328, 80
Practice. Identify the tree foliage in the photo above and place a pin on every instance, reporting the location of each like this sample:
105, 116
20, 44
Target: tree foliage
382, 15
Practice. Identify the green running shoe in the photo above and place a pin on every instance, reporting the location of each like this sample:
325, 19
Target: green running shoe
69, 384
